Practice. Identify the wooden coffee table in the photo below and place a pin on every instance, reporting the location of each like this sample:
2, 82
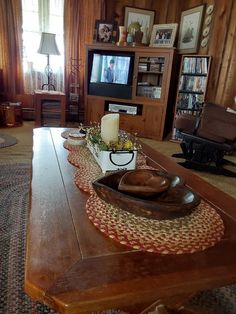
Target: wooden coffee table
74, 268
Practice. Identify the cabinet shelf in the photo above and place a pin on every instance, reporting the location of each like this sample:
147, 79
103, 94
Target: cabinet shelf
193, 74
190, 92
187, 109
151, 60
150, 72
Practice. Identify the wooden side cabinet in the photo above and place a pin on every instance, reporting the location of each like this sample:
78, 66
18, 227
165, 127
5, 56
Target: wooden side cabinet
58, 112
141, 92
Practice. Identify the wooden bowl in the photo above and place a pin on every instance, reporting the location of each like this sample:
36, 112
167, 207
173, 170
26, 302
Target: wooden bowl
176, 201
143, 183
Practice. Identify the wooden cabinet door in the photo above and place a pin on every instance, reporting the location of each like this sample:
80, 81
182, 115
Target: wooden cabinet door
94, 109
153, 122
132, 124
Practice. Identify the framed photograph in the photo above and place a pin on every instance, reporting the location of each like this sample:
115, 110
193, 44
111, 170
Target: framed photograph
135, 17
190, 28
105, 31
163, 35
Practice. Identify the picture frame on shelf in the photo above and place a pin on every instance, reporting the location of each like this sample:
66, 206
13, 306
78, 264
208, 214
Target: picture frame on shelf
105, 31
163, 35
190, 29
140, 18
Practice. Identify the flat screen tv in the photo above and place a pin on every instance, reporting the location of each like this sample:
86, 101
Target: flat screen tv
110, 73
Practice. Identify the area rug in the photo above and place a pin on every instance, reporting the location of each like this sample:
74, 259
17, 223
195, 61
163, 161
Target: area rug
7, 140
14, 209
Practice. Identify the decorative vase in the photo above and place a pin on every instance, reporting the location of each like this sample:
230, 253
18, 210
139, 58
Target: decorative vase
145, 35
122, 34
129, 38
138, 37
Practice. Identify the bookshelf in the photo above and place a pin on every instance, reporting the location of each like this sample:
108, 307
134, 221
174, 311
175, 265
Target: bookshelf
192, 87
149, 76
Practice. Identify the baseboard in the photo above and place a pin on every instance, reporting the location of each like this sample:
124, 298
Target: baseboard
28, 114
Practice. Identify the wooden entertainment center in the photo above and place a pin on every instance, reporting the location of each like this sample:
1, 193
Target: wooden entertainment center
148, 110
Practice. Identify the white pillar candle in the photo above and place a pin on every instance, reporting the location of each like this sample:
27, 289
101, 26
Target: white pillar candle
110, 127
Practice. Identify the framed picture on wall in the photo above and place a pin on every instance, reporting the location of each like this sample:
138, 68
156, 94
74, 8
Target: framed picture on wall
163, 35
189, 30
105, 31
136, 17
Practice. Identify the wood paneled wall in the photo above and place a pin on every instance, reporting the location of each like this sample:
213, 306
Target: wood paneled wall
222, 38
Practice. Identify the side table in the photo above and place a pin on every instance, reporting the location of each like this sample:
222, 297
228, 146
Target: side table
11, 114
42, 95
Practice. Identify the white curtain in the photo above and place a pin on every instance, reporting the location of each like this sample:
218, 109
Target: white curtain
42, 16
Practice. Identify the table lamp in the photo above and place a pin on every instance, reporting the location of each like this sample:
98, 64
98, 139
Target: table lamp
48, 47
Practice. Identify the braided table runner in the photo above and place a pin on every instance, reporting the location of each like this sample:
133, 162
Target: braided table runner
198, 231
195, 232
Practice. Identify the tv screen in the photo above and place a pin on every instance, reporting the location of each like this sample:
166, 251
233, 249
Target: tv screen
112, 69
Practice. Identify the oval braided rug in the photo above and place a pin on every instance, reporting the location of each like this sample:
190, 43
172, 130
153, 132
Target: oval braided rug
7, 140
195, 232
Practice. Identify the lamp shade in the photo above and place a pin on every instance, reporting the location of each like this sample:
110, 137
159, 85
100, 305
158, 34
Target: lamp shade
48, 45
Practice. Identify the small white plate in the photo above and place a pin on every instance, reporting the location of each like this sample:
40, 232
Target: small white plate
204, 42
206, 31
210, 9
208, 20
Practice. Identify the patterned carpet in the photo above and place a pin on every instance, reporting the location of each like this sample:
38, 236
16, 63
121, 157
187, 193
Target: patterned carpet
14, 196
216, 301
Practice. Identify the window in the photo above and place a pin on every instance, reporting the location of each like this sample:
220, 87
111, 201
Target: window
42, 16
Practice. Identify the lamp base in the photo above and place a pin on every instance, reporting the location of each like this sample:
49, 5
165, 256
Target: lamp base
48, 86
